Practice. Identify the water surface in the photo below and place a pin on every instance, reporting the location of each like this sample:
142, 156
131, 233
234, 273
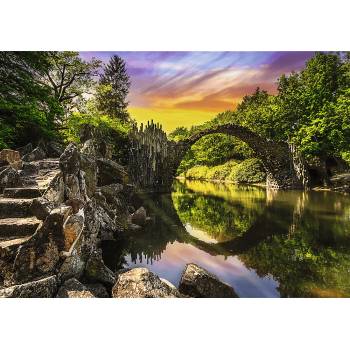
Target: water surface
263, 243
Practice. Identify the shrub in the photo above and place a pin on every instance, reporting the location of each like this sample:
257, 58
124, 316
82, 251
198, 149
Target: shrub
198, 172
249, 171
114, 131
221, 172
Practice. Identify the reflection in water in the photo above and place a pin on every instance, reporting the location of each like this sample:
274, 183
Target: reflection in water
263, 243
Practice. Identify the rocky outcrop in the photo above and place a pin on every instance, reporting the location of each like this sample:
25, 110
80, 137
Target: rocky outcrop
25, 149
196, 282
10, 157
43, 288
72, 288
97, 271
9, 177
141, 283
340, 182
36, 154
110, 172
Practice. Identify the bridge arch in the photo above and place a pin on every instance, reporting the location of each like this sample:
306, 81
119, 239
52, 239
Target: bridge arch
154, 159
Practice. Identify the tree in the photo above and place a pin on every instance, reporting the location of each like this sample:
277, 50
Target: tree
27, 107
69, 77
113, 89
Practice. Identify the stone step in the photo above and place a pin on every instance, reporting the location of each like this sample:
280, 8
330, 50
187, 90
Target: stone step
14, 207
18, 227
23, 192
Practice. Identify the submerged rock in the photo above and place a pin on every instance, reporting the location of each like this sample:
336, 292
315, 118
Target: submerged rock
141, 283
139, 217
43, 288
199, 283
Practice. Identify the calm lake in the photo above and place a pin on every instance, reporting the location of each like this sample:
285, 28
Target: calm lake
263, 243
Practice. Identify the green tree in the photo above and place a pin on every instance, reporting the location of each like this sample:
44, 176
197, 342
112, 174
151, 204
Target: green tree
27, 106
69, 77
113, 89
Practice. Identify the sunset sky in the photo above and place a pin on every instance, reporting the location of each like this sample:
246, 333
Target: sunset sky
185, 88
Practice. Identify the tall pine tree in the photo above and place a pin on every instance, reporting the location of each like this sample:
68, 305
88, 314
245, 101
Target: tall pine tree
113, 89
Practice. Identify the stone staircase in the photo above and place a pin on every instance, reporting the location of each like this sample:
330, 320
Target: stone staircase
17, 223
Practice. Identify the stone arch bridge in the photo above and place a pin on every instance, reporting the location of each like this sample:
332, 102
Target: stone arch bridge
154, 160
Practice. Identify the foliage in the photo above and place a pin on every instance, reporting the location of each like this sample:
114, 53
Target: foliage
248, 171
27, 107
113, 89
114, 131
70, 77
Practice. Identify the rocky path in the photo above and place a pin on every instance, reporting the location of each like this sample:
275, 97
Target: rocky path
17, 222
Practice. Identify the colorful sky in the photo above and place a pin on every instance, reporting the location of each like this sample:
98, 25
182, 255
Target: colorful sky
186, 88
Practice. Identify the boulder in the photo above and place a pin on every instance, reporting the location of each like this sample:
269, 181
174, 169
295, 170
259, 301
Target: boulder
196, 282
10, 156
72, 228
97, 290
139, 217
89, 167
70, 160
141, 283
9, 177
111, 191
110, 172
41, 208
43, 288
97, 271
54, 149
25, 149
37, 154
89, 148
40, 255
72, 288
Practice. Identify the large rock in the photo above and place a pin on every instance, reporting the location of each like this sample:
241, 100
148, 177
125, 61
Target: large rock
37, 154
41, 208
12, 157
110, 172
70, 160
198, 283
97, 271
25, 149
9, 177
89, 167
43, 288
54, 149
141, 283
72, 228
41, 254
72, 288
